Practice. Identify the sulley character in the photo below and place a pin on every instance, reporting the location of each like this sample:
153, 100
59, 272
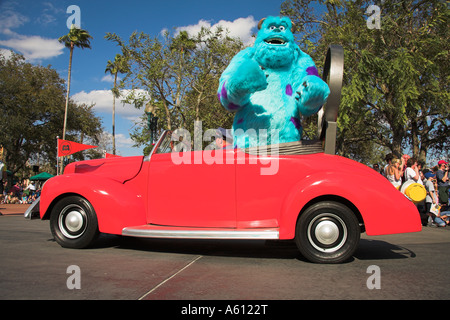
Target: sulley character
270, 85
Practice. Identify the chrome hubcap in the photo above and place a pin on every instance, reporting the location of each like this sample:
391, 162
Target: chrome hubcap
72, 221
327, 232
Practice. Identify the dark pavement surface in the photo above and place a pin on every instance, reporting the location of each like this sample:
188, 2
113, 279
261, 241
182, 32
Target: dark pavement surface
33, 266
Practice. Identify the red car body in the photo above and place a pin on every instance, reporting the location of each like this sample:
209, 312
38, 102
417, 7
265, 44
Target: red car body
157, 197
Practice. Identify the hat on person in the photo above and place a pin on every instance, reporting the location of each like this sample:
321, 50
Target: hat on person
225, 134
442, 162
429, 175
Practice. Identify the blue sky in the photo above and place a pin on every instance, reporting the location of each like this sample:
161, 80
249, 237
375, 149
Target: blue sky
33, 27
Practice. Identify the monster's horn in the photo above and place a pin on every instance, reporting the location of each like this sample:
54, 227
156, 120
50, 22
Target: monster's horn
260, 23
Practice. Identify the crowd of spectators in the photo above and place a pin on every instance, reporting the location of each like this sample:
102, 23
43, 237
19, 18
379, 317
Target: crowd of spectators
24, 192
435, 207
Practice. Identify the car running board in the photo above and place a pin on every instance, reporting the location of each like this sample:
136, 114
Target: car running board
153, 231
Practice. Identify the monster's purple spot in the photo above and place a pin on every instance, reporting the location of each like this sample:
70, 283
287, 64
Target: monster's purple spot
296, 123
218, 96
232, 106
312, 71
240, 120
223, 92
289, 90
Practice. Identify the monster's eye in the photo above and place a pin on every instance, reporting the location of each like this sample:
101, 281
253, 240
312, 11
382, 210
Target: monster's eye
282, 28
272, 27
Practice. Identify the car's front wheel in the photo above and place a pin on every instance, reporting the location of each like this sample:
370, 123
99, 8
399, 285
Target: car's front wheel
327, 232
73, 222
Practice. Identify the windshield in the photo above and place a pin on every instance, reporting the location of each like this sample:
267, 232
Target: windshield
164, 145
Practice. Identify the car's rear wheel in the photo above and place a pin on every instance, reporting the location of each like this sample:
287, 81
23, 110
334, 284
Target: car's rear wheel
73, 222
327, 232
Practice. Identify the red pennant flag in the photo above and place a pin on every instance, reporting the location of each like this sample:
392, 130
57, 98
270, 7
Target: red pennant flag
66, 147
110, 155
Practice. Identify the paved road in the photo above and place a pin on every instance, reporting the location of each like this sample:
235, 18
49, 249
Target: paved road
33, 266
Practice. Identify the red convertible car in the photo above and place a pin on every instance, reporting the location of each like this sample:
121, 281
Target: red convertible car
300, 192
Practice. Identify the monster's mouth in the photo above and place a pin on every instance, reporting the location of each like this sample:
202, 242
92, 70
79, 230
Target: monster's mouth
275, 41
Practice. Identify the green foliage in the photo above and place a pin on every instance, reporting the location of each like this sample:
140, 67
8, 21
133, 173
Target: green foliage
76, 37
119, 65
32, 111
180, 75
396, 90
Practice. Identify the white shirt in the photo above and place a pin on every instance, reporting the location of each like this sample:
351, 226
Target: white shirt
410, 174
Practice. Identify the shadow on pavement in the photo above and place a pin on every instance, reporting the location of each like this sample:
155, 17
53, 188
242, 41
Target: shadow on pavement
270, 249
379, 250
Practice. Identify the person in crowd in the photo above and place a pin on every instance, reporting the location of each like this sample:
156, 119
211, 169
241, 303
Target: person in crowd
412, 171
3, 176
394, 172
442, 219
430, 200
388, 158
224, 140
404, 158
34, 196
443, 184
16, 189
31, 187
376, 167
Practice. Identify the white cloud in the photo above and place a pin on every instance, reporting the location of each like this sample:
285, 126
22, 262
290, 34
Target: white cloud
103, 100
9, 20
34, 47
241, 28
109, 78
123, 142
50, 13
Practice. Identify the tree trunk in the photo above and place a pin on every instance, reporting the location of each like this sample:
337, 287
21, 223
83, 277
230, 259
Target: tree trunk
114, 115
68, 91
397, 138
169, 121
67, 102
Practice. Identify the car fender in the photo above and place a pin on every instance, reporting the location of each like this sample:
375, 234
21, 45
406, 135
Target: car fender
383, 209
117, 205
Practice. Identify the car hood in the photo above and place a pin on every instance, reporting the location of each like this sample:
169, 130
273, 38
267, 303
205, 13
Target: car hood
119, 169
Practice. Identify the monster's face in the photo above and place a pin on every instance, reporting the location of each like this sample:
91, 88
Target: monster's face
275, 45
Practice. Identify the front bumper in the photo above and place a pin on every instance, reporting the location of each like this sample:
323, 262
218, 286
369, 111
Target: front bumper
33, 210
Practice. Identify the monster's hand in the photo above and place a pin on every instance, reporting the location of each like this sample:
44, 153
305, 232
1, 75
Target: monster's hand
244, 78
311, 95
248, 78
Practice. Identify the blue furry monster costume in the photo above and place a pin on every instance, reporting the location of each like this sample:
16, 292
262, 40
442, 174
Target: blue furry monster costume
269, 85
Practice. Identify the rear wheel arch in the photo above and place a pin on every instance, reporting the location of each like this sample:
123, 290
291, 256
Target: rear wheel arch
328, 230
338, 199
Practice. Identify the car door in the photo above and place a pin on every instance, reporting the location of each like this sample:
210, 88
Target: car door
193, 192
260, 190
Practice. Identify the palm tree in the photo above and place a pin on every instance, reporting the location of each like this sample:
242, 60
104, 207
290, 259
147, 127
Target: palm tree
79, 38
119, 65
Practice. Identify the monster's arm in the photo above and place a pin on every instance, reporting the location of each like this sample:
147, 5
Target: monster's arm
312, 91
242, 77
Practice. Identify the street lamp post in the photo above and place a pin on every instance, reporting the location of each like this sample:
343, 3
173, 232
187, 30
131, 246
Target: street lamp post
152, 121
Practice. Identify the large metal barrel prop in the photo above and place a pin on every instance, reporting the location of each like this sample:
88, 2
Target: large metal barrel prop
333, 73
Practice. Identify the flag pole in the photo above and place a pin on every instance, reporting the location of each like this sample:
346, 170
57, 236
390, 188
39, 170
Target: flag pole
57, 158
67, 148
